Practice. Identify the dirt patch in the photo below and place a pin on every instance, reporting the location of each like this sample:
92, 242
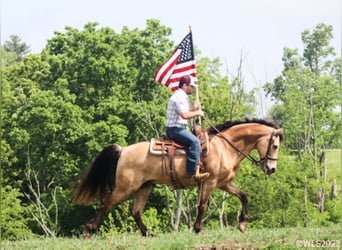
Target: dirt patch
230, 245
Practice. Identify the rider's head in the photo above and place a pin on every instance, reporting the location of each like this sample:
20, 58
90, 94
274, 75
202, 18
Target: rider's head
187, 80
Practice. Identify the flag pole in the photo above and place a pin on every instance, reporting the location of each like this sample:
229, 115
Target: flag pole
197, 100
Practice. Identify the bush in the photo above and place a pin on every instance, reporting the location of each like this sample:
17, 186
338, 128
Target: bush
13, 214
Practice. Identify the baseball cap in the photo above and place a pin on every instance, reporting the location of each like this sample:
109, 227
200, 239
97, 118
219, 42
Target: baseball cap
189, 80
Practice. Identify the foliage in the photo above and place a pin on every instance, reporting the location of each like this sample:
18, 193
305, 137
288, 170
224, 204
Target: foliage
7, 58
16, 46
14, 216
308, 108
118, 221
310, 118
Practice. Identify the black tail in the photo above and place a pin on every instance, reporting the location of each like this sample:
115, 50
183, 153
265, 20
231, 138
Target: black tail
99, 177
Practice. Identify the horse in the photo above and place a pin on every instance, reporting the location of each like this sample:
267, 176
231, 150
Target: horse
118, 172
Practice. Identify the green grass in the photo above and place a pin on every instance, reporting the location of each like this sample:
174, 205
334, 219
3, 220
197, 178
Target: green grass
333, 157
334, 169
228, 238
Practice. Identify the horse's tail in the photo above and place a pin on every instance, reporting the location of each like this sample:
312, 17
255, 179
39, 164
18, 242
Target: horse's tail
99, 177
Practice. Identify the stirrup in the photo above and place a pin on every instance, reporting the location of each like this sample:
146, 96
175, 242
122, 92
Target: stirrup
201, 177
198, 176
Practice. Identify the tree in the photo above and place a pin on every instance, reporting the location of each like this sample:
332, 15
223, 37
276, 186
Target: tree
16, 46
317, 51
7, 58
99, 63
59, 122
308, 105
221, 98
301, 93
14, 216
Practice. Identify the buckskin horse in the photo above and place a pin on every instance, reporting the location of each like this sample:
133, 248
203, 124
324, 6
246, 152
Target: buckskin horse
118, 172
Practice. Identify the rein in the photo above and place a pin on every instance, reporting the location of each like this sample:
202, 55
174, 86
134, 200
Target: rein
249, 157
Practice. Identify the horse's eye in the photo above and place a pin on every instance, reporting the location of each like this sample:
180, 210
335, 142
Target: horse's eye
275, 147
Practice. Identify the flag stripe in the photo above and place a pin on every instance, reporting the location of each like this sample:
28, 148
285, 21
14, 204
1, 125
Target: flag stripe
165, 70
181, 62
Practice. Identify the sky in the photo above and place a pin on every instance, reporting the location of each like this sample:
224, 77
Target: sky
256, 29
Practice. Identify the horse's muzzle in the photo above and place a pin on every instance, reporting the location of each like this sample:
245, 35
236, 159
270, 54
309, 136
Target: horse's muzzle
270, 170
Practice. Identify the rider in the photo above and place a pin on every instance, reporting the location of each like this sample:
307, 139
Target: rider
178, 114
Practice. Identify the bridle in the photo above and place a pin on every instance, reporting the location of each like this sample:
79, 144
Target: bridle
262, 159
249, 157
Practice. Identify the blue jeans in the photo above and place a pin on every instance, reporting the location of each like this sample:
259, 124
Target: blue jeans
184, 136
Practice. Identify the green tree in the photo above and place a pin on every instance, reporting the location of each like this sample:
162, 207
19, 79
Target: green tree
221, 98
16, 46
99, 63
301, 94
308, 107
13, 216
7, 58
317, 49
48, 131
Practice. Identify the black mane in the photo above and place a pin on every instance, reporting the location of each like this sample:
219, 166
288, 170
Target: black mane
229, 124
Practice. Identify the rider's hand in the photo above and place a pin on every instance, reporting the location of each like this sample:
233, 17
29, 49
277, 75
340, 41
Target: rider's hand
200, 112
197, 105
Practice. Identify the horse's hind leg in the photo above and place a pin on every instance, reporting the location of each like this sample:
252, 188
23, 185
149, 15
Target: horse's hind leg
111, 199
140, 198
234, 190
93, 224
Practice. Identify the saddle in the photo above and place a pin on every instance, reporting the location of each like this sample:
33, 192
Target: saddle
167, 146
161, 146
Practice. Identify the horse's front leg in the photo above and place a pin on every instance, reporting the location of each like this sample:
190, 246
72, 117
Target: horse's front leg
234, 190
204, 195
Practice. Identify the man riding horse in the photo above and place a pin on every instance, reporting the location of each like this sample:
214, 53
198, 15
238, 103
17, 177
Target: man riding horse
179, 112
118, 172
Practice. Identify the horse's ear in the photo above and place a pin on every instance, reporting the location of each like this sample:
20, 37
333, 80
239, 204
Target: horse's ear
280, 133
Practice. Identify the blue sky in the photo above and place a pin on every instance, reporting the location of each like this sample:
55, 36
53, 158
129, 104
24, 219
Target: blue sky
259, 29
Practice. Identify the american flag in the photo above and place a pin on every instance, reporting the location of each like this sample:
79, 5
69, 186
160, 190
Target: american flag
181, 62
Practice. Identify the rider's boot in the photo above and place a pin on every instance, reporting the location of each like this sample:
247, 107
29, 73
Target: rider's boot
200, 176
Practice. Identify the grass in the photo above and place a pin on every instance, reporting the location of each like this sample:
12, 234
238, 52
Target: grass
333, 157
334, 170
228, 238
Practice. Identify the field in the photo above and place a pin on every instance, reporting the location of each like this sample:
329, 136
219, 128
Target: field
334, 170
333, 157
228, 238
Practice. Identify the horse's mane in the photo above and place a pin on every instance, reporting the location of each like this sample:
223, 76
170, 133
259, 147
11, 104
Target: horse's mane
229, 124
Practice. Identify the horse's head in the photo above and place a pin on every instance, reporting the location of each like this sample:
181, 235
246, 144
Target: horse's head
268, 149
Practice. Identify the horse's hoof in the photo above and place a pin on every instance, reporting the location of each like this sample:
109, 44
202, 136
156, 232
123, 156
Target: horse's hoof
242, 226
89, 230
87, 236
197, 230
147, 234
150, 235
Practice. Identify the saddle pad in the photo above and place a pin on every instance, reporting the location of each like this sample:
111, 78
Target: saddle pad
156, 147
